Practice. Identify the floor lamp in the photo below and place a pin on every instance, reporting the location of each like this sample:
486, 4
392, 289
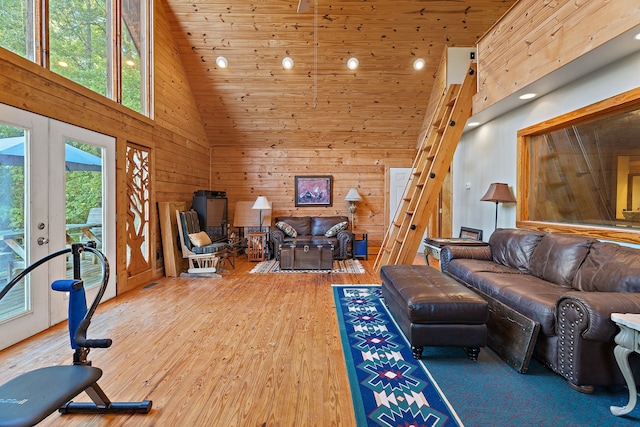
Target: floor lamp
261, 203
499, 193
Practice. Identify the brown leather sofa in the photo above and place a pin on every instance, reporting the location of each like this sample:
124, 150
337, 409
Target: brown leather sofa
569, 284
313, 229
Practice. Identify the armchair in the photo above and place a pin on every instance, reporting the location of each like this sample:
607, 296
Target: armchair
196, 246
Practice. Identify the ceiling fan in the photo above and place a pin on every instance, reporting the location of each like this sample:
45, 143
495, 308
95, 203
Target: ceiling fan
304, 6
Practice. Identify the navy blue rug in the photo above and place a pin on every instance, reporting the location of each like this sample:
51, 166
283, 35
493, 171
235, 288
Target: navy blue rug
484, 393
388, 387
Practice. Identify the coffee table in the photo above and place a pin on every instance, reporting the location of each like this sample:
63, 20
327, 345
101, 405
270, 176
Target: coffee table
316, 255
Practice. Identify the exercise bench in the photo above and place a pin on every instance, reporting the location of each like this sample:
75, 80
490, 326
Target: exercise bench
31, 397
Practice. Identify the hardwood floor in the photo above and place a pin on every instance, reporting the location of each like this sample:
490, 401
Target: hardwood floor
244, 350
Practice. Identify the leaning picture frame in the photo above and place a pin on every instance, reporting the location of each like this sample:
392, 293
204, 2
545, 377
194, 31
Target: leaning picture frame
470, 233
313, 191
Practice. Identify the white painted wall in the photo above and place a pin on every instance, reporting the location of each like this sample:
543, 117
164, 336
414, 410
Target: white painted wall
488, 153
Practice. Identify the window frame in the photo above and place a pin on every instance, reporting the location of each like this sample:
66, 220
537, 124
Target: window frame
625, 102
41, 47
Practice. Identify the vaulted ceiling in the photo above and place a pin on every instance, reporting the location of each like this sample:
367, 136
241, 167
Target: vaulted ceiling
320, 102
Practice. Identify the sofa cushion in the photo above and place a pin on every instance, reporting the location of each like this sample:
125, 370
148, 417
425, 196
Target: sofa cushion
336, 229
513, 247
302, 224
288, 230
531, 296
609, 268
463, 268
558, 257
321, 224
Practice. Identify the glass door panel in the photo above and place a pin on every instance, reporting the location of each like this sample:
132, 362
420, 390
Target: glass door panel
23, 223
82, 203
83, 207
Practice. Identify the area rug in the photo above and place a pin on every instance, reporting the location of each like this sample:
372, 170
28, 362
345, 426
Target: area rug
352, 266
388, 386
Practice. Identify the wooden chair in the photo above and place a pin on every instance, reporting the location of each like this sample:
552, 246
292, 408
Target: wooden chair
203, 259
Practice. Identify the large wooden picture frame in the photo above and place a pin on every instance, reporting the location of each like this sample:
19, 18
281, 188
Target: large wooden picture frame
314, 190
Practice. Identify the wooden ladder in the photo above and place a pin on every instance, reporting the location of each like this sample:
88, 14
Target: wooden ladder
430, 167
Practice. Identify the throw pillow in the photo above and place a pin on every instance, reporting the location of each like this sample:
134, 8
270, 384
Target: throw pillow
199, 239
336, 229
287, 229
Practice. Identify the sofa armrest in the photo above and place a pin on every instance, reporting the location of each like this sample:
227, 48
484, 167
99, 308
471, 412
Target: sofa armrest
277, 238
449, 253
590, 313
344, 238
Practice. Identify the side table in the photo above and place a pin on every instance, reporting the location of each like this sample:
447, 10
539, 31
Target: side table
628, 341
256, 246
361, 246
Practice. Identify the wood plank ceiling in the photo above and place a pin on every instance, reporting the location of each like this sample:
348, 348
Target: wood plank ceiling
320, 102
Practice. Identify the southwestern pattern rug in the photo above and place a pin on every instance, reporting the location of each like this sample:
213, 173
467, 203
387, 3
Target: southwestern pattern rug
388, 386
352, 266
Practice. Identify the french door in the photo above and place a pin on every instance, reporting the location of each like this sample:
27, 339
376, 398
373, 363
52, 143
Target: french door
51, 176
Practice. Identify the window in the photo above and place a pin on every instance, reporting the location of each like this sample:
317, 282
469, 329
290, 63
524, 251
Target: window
83, 45
581, 171
78, 48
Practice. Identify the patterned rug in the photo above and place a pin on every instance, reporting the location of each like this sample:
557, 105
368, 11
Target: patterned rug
388, 386
352, 266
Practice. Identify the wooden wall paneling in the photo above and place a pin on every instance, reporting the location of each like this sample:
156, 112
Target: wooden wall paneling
246, 173
534, 39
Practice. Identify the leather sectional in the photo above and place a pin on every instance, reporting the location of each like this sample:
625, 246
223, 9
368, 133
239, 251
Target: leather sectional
569, 285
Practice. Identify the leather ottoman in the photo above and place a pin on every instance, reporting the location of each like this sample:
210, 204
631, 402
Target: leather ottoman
433, 309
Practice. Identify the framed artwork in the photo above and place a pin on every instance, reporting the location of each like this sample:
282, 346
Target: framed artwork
314, 190
470, 233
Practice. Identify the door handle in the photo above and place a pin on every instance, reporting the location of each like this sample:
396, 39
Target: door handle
42, 241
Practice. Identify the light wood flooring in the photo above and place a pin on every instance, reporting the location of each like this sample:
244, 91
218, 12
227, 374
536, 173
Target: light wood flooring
244, 350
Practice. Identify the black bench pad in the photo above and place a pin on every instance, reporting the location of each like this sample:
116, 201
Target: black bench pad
31, 397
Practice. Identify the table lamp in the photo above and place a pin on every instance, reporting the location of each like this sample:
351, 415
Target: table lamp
352, 197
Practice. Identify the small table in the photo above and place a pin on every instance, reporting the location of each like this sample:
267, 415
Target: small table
361, 246
628, 341
434, 245
257, 246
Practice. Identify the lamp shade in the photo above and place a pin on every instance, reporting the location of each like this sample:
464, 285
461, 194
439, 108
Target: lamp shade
261, 203
499, 192
353, 196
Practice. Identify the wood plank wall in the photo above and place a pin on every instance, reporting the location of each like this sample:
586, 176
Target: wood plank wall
180, 152
537, 37
245, 173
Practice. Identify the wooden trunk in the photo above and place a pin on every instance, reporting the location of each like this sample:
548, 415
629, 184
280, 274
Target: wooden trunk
306, 257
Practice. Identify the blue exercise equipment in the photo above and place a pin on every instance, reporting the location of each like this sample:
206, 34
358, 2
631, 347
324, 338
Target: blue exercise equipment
31, 397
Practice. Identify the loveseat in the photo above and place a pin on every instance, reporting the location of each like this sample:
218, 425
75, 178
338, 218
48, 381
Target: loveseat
313, 229
569, 284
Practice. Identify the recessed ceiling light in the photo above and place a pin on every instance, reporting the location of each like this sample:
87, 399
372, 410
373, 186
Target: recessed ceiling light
353, 63
418, 64
222, 62
287, 63
130, 62
63, 64
473, 124
637, 37
527, 96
